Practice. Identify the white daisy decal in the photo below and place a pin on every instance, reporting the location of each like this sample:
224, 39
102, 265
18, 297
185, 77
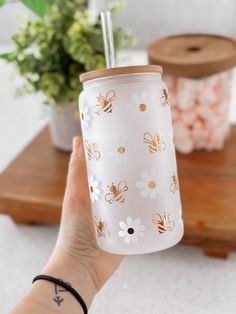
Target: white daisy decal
93, 188
141, 102
132, 230
150, 184
85, 118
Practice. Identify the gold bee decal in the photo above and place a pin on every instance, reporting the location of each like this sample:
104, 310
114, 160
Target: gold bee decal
101, 228
105, 102
165, 99
116, 193
174, 183
163, 222
91, 150
155, 143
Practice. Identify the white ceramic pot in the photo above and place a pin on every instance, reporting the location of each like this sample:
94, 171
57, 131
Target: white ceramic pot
64, 125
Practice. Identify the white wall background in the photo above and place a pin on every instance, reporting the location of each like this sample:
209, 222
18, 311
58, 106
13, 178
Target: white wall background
150, 18
155, 18
11, 16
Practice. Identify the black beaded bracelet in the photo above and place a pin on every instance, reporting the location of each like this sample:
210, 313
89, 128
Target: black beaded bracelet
64, 285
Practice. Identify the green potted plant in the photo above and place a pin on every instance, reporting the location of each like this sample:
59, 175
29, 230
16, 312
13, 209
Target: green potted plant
52, 51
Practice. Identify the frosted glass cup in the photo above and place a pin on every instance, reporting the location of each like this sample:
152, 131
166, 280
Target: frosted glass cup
130, 157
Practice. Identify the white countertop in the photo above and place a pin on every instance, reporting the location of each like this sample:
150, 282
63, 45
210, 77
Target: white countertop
178, 280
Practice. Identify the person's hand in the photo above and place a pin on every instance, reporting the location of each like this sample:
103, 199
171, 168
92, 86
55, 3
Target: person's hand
76, 255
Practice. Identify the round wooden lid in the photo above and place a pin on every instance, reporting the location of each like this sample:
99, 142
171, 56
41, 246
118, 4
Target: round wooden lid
193, 55
119, 71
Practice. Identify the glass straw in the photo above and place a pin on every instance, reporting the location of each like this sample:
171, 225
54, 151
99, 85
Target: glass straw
108, 40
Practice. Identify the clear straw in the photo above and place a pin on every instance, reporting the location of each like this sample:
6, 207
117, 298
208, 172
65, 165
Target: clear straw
108, 40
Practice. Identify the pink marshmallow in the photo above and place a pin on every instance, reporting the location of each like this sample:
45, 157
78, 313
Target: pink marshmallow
180, 130
184, 146
175, 113
200, 111
200, 144
189, 117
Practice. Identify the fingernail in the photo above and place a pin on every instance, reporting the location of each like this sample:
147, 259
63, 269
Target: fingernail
76, 143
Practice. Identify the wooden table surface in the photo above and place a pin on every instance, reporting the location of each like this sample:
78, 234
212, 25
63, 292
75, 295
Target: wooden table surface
32, 188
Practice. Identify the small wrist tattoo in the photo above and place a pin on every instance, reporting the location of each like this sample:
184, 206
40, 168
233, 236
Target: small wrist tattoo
58, 290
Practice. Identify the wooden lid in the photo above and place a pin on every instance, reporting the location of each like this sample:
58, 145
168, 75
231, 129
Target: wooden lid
119, 71
193, 55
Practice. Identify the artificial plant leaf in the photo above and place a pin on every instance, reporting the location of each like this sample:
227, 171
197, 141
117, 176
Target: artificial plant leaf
2, 2
37, 6
8, 56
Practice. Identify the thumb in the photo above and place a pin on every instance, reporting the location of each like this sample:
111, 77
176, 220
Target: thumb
77, 193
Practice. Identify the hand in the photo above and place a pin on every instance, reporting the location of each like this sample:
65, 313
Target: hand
76, 251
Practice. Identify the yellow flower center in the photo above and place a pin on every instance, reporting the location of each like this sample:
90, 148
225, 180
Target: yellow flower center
121, 150
142, 107
151, 184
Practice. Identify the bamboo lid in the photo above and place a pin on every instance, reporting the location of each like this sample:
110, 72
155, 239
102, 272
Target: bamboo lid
119, 71
193, 55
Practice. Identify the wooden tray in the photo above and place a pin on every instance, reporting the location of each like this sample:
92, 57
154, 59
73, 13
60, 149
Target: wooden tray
32, 188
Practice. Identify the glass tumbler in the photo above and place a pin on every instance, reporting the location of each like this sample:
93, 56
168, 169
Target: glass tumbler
130, 157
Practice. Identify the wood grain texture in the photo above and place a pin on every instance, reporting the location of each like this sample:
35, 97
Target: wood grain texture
133, 69
193, 55
208, 190
32, 188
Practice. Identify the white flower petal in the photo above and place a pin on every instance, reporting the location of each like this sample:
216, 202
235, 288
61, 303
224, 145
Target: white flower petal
127, 239
137, 222
152, 194
141, 228
123, 225
144, 193
129, 221
95, 196
95, 183
96, 191
135, 99
144, 175
134, 238
139, 234
144, 96
122, 233
141, 184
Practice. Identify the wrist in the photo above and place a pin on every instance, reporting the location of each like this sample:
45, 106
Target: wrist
70, 270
